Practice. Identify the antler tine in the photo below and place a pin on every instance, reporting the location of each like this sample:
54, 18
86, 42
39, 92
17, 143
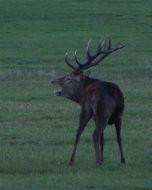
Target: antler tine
101, 46
76, 59
117, 47
68, 63
109, 44
88, 50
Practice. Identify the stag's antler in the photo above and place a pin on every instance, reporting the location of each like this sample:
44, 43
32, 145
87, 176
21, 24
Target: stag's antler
103, 50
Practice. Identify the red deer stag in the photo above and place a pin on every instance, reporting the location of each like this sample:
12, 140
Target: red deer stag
103, 101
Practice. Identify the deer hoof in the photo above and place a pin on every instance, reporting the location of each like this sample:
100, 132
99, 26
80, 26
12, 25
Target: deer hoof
123, 161
71, 162
99, 163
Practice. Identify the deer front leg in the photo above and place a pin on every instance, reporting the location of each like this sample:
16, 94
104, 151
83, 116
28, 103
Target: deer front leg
85, 116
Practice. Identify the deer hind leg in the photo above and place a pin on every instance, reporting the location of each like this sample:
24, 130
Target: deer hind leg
84, 118
98, 141
101, 145
118, 131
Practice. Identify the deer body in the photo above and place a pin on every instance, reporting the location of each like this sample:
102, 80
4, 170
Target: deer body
103, 101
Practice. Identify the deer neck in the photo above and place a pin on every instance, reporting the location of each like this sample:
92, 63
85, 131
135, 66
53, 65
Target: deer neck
80, 94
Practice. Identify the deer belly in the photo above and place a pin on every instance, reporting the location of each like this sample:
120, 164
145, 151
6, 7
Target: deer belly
112, 120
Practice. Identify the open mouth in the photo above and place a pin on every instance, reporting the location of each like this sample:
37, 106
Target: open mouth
57, 93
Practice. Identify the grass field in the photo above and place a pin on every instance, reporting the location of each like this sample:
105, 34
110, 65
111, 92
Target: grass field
37, 130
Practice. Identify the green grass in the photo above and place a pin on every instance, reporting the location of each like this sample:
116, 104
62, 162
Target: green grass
37, 130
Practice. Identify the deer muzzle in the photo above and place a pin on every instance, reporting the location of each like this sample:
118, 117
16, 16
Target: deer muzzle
56, 92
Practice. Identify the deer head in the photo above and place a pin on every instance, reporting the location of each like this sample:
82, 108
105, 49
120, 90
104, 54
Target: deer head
71, 85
